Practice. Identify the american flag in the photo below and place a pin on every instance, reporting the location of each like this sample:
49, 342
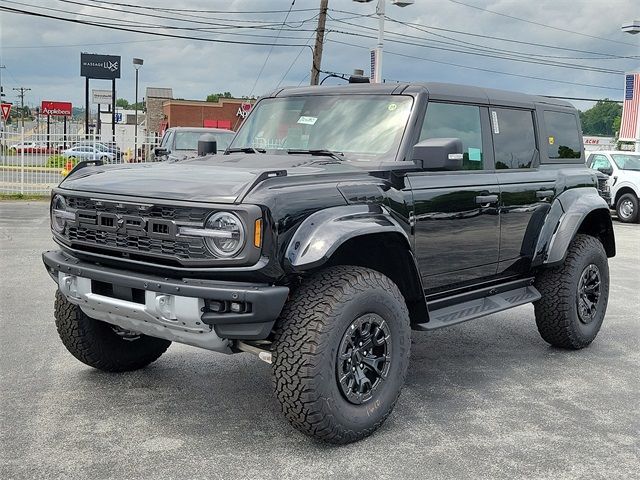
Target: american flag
630, 107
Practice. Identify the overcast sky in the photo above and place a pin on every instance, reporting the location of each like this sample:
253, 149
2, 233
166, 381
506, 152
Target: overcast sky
44, 54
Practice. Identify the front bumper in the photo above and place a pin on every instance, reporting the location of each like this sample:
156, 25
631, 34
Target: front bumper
180, 310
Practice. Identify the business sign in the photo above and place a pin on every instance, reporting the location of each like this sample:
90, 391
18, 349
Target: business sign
101, 97
6, 110
56, 108
243, 110
99, 66
118, 117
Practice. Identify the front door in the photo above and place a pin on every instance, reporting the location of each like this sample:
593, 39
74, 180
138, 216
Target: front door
457, 226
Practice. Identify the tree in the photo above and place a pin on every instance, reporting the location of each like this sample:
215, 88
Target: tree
122, 103
214, 97
602, 118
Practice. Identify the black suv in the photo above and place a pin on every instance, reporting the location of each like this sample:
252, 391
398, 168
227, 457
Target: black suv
338, 220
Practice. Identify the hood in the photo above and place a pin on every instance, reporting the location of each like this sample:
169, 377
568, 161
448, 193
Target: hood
215, 178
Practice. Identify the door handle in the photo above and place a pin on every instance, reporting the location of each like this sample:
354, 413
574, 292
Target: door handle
544, 194
486, 200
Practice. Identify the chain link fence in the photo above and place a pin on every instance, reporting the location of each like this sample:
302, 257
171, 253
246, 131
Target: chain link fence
32, 163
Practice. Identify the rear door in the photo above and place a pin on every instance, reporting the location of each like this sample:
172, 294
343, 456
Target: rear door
526, 188
456, 213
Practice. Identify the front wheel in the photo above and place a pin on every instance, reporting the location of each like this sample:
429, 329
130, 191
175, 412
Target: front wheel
627, 208
341, 352
574, 295
102, 345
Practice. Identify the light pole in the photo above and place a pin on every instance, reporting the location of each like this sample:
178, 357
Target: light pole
633, 28
376, 53
137, 64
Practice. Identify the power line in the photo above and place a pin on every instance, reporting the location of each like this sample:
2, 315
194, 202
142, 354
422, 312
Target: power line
480, 69
206, 11
497, 56
123, 29
271, 49
539, 24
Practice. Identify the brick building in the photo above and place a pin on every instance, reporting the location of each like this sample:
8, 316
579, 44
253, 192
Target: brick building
225, 113
154, 98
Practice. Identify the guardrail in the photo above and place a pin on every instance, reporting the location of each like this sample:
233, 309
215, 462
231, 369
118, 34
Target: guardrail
33, 164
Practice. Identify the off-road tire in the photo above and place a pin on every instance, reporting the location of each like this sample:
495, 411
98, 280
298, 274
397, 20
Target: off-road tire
307, 338
557, 312
96, 344
634, 216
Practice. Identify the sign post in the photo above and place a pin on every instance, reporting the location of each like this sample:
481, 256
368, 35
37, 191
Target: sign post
56, 109
104, 67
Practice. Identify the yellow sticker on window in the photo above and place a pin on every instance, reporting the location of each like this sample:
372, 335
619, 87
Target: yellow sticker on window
552, 140
392, 107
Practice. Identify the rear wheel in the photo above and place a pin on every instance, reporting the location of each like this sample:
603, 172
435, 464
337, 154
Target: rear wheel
627, 208
574, 295
102, 345
341, 353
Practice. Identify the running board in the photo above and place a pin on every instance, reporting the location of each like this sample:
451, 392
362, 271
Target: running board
461, 312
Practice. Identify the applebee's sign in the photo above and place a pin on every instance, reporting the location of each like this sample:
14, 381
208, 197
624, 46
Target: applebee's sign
243, 110
56, 108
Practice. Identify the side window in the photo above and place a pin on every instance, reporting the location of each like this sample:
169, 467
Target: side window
447, 120
600, 162
563, 139
514, 139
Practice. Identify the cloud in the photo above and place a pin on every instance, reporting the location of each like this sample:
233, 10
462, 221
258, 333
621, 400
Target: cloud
194, 69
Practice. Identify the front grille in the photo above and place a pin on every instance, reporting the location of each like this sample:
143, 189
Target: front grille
158, 242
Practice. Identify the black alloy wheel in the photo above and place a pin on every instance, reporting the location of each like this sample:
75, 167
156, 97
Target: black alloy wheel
588, 293
364, 358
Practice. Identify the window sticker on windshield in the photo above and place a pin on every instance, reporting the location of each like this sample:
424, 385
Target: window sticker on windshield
552, 140
475, 154
392, 107
307, 120
494, 122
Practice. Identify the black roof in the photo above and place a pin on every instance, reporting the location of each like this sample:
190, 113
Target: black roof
436, 91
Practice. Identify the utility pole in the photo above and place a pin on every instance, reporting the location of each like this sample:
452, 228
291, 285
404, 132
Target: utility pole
2, 125
317, 50
21, 95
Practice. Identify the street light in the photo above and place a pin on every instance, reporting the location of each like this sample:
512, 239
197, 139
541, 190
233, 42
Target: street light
376, 53
633, 28
137, 64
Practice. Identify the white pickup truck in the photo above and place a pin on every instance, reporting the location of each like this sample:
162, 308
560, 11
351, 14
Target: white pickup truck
623, 169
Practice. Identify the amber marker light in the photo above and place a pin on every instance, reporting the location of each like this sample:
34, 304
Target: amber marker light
257, 233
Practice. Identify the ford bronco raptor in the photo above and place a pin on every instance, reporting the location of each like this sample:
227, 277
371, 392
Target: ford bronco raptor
338, 220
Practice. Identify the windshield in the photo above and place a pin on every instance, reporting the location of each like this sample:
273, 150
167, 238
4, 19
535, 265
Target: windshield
189, 140
627, 161
360, 126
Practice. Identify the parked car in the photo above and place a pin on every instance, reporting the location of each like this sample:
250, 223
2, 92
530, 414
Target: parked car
30, 147
103, 147
88, 152
339, 220
179, 143
623, 169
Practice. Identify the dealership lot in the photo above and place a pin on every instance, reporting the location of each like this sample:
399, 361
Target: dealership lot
486, 399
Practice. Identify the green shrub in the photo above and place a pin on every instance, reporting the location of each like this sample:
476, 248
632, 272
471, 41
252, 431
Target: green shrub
58, 161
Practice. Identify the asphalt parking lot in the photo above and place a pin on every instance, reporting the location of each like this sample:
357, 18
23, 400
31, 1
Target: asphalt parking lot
486, 399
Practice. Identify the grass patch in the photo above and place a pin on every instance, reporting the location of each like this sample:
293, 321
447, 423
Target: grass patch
21, 196
58, 161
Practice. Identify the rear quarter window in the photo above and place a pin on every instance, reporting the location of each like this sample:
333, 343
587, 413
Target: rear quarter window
563, 137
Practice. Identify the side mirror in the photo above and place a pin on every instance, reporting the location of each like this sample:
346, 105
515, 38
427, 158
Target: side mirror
606, 170
438, 154
160, 151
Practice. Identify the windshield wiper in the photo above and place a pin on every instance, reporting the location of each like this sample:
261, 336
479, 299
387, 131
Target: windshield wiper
320, 152
246, 150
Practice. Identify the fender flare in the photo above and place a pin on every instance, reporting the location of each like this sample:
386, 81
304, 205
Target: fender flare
323, 232
566, 216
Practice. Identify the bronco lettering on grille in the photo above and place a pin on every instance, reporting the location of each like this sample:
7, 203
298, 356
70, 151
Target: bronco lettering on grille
128, 224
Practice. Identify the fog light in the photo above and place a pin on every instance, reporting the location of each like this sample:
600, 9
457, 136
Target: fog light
236, 307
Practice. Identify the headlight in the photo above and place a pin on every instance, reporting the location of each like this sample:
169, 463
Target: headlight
228, 235
223, 233
59, 214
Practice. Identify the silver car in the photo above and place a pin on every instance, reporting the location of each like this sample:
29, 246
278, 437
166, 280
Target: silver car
88, 152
